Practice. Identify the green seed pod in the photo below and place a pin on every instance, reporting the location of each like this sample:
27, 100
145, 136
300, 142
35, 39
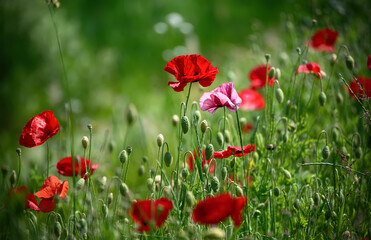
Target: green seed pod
358, 152
317, 199
197, 116
141, 170
175, 120
279, 95
90, 126
168, 159
224, 173
257, 213
203, 126
272, 72
328, 214
13, 178
150, 185
185, 124
333, 59
85, 142
123, 156
18, 151
215, 184
276, 191
297, 204
109, 198
160, 140
287, 174
190, 199
278, 74
185, 173
124, 189
220, 138
349, 61
267, 57
260, 206
80, 184
339, 98
104, 210
322, 99
239, 191
131, 114
325, 152
209, 151
227, 136
214, 234
57, 229
129, 150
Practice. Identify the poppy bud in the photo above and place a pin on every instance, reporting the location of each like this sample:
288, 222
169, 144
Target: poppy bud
224, 173
297, 204
334, 215
317, 199
4, 170
197, 116
144, 159
13, 178
18, 151
227, 136
270, 147
141, 170
111, 146
124, 188
278, 74
123, 156
358, 152
104, 210
102, 183
90, 126
82, 226
272, 72
333, 59
279, 95
322, 99
190, 199
239, 191
80, 184
298, 50
203, 126
243, 121
175, 120
214, 234
157, 179
109, 198
339, 98
325, 152
346, 235
57, 229
150, 185
257, 213
131, 114
215, 184
276, 191
287, 174
185, 124
126, 220
168, 159
129, 150
260, 206
206, 168
160, 140
209, 151
314, 22
219, 138
335, 135
328, 214
267, 57
349, 61
85, 142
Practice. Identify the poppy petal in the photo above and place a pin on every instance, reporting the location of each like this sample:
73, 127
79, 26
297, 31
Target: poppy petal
258, 76
251, 100
324, 40
238, 206
49, 188
47, 205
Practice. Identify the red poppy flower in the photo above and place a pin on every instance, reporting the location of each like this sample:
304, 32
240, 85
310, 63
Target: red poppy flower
251, 100
247, 128
324, 40
147, 212
64, 166
52, 187
362, 89
191, 68
23, 194
258, 76
369, 62
214, 210
310, 68
203, 161
39, 129
236, 151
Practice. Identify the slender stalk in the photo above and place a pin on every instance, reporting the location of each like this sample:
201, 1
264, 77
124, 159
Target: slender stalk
47, 158
19, 166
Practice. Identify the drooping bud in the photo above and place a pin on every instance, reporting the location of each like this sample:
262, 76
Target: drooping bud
358, 152
220, 138
224, 173
322, 99
85, 142
279, 95
150, 185
141, 170
82, 226
123, 156
109, 198
197, 116
227, 136
214, 234
272, 72
278, 74
297, 204
203, 126
209, 151
287, 174
339, 98
185, 124
13, 178
333, 59
168, 159
325, 152
261, 205
190, 199
57, 229
215, 184
80, 184
239, 191
185, 173
256, 213
349, 61
160, 140
131, 114
175, 120
124, 189
276, 191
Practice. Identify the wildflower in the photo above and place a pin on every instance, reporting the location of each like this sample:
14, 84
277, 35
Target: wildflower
64, 166
38, 129
247, 127
236, 151
203, 161
324, 40
22, 193
223, 96
51, 187
251, 100
361, 89
258, 77
191, 68
147, 212
310, 68
214, 210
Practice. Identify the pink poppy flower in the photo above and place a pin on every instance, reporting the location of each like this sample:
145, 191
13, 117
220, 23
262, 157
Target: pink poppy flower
251, 100
310, 68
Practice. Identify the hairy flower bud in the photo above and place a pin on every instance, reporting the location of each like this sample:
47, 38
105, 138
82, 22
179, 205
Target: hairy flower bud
141, 170
123, 156
276, 191
150, 185
287, 174
224, 173
214, 234
272, 72
124, 189
209, 151
13, 178
197, 116
160, 140
185, 173
278, 74
144, 159
322, 99
349, 61
85, 142
175, 120
168, 159
80, 184
131, 114
215, 184
203, 126
190, 199
325, 152
185, 124
220, 138
279, 95
227, 137
57, 229
109, 198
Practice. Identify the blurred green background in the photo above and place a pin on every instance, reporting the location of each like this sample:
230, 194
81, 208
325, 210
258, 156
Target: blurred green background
115, 52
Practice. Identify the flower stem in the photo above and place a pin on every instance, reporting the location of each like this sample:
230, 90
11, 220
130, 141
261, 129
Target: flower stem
19, 167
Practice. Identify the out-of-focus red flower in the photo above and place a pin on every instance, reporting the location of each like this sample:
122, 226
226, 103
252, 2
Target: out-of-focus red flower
23, 194
147, 212
236, 151
251, 100
324, 40
363, 92
258, 77
190, 160
38, 129
64, 166
247, 127
223, 96
52, 187
214, 210
369, 62
191, 68
310, 68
